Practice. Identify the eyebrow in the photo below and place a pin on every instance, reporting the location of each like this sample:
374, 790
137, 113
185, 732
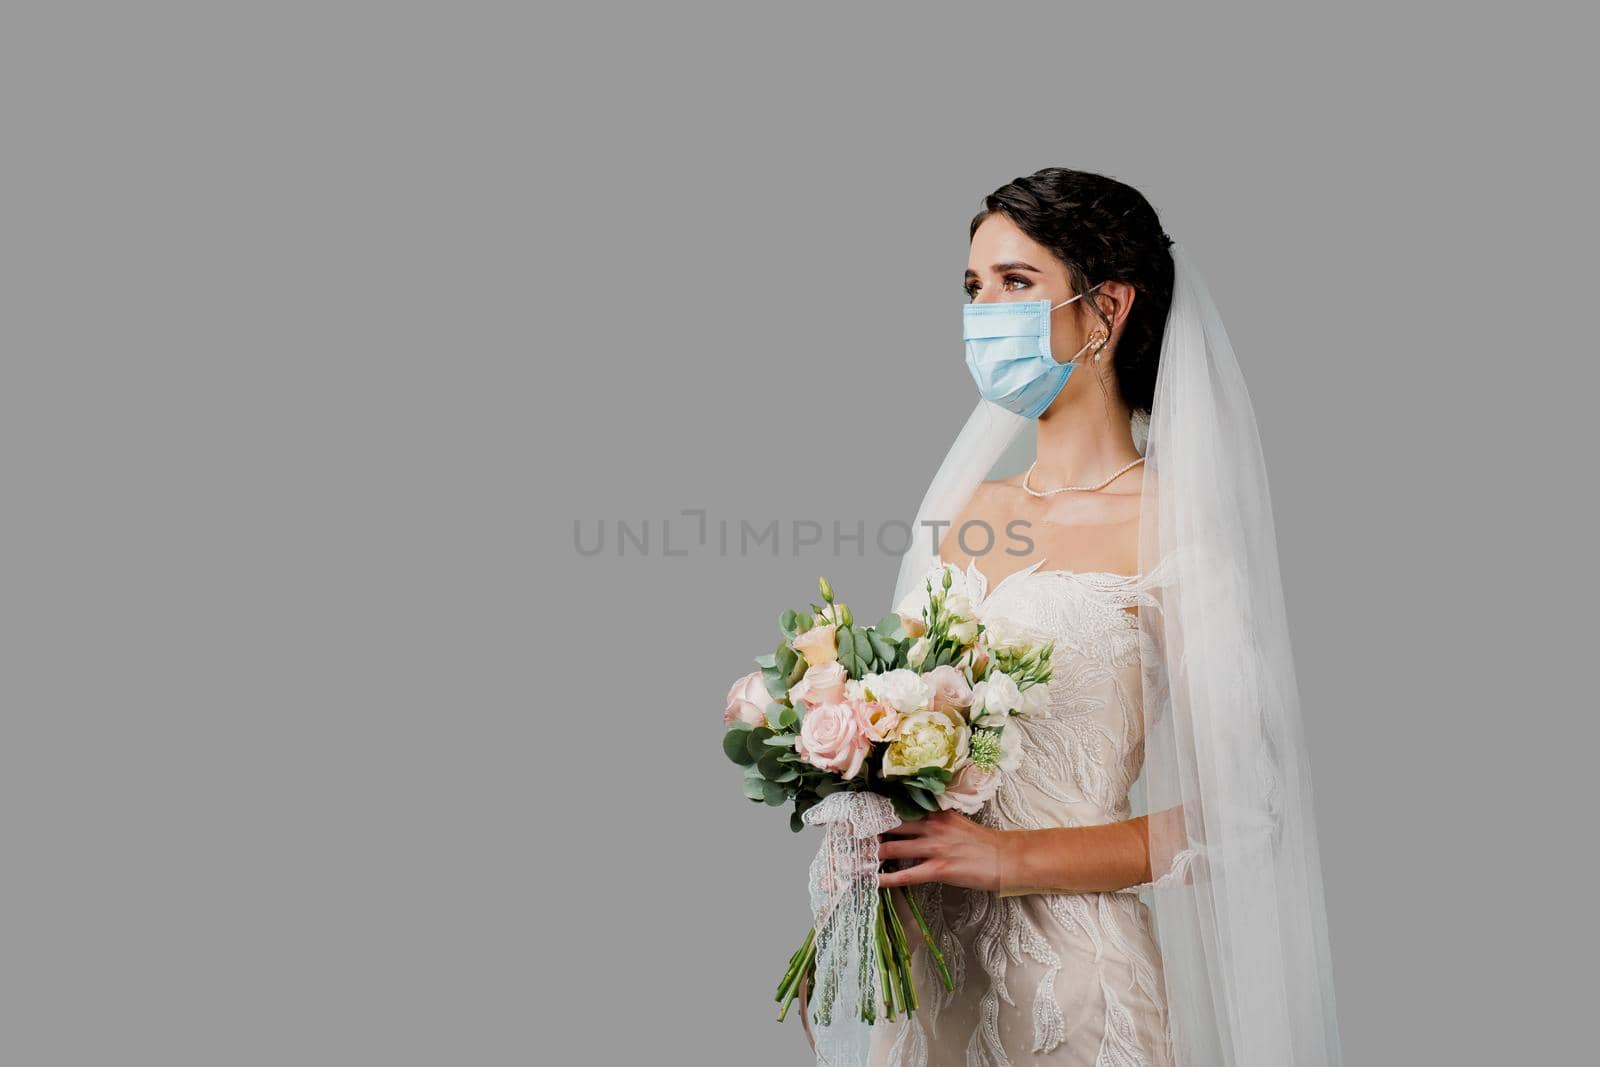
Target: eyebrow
1000, 268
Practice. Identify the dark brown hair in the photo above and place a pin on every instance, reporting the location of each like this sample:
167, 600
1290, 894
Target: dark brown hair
1102, 230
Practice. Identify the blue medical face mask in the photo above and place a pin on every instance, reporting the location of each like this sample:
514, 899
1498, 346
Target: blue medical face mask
1008, 353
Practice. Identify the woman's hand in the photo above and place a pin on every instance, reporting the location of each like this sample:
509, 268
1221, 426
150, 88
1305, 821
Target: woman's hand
950, 847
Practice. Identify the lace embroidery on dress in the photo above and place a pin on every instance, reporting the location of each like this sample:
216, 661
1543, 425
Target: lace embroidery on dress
1092, 954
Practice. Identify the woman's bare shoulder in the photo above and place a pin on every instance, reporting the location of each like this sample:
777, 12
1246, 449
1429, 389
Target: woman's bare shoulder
989, 503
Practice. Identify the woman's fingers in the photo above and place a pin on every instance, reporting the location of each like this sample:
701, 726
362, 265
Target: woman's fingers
904, 848
926, 871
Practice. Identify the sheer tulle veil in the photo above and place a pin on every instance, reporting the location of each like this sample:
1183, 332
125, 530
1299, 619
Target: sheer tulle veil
1237, 891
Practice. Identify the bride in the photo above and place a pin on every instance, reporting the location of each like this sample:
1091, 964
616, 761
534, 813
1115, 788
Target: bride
1144, 889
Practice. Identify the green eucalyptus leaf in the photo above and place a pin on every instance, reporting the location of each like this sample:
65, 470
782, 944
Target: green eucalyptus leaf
775, 794
775, 713
891, 627
904, 808
767, 662
755, 789
780, 741
921, 797
796, 823
735, 745
755, 743
788, 620
882, 649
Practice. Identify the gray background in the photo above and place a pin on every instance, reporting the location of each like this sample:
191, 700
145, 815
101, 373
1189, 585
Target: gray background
324, 324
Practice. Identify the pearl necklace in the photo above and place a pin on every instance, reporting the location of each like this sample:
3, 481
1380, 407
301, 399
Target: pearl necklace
1075, 488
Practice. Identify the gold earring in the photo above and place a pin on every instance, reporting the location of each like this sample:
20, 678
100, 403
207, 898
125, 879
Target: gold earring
1098, 341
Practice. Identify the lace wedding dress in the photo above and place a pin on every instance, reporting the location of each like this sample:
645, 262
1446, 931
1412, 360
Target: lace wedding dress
1063, 979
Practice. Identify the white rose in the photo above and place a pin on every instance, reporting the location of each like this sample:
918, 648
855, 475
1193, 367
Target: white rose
994, 698
965, 632
902, 690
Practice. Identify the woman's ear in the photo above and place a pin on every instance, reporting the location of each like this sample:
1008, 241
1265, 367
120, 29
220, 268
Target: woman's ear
1115, 301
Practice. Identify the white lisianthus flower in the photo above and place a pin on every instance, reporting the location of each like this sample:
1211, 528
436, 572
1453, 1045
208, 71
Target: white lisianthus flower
966, 589
1035, 700
958, 605
994, 698
917, 652
902, 690
1010, 750
926, 739
1005, 635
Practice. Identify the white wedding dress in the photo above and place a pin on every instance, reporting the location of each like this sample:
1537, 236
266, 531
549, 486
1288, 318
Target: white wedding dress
1063, 979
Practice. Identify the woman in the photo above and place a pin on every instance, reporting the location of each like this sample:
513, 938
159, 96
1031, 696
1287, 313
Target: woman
1144, 889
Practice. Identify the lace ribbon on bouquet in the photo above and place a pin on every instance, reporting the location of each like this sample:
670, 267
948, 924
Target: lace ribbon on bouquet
844, 901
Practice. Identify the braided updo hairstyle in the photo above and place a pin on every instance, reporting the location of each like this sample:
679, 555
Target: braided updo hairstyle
1103, 230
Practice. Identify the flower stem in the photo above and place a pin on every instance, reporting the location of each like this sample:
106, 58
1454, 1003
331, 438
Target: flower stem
805, 960
791, 973
927, 935
902, 951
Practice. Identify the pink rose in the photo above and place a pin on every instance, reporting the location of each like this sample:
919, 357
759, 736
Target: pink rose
877, 720
951, 693
817, 645
970, 789
747, 701
822, 684
832, 739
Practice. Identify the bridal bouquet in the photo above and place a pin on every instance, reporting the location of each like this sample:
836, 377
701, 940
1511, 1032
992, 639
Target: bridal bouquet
863, 727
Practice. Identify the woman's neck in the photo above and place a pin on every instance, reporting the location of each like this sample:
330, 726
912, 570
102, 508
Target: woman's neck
1084, 440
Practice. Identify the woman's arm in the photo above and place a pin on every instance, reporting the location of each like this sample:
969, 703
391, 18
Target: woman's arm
950, 847
1074, 859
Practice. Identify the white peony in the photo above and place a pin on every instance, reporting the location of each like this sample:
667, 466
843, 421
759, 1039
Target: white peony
902, 690
927, 739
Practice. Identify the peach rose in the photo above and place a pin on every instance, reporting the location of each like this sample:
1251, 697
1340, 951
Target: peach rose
817, 645
970, 789
877, 720
747, 701
822, 684
832, 739
951, 693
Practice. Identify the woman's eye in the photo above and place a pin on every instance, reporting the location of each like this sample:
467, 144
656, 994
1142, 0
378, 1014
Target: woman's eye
971, 289
1022, 283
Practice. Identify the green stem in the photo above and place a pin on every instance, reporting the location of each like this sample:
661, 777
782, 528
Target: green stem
902, 950
887, 975
790, 973
807, 960
927, 935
